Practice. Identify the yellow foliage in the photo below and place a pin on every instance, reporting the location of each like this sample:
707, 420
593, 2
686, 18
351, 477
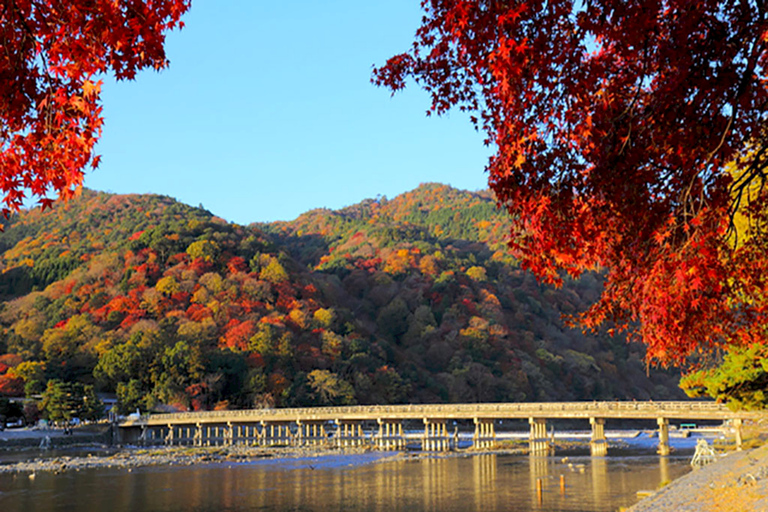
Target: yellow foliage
324, 317
167, 286
428, 265
477, 273
273, 272
299, 317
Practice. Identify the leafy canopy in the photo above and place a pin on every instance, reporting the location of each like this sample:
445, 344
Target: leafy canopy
614, 123
50, 112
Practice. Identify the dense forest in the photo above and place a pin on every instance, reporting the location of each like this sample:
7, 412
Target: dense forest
410, 300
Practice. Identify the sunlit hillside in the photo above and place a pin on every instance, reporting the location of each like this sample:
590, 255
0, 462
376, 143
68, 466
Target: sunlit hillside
411, 299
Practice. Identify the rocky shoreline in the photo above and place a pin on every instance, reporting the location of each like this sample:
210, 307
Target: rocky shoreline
166, 456
135, 457
161, 456
737, 482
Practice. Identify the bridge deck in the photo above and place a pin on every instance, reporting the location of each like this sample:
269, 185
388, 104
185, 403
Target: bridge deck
691, 410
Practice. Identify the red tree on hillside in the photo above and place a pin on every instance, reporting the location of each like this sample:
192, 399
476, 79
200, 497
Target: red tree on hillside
615, 123
50, 113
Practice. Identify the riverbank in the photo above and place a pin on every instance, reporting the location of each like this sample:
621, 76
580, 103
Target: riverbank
737, 482
167, 456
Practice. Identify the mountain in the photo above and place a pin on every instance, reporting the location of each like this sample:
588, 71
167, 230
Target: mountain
413, 299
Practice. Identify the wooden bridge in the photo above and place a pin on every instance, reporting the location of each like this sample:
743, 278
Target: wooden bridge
382, 425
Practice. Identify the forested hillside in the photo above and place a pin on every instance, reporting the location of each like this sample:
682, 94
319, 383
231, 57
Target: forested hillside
413, 299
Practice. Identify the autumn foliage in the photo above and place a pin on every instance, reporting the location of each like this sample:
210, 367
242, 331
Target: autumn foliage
614, 124
413, 299
53, 53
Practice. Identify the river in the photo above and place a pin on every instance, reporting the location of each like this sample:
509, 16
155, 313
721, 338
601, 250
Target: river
365, 482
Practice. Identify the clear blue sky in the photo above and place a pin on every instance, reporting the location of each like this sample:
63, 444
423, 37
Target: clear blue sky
267, 111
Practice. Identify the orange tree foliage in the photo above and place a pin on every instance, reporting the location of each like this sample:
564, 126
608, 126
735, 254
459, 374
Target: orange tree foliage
50, 112
613, 123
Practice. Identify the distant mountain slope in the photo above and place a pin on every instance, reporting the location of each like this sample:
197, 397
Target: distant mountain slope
430, 213
413, 299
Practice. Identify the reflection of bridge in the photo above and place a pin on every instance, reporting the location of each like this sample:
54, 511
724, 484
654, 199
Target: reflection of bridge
344, 426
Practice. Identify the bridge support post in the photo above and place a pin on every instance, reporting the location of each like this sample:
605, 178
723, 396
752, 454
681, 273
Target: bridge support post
278, 432
341, 433
538, 443
261, 438
485, 434
737, 424
598, 446
349, 433
435, 435
390, 435
663, 436
311, 432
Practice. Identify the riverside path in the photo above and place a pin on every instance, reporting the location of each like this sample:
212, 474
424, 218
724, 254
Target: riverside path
382, 425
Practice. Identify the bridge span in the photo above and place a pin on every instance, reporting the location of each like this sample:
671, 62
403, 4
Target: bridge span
382, 425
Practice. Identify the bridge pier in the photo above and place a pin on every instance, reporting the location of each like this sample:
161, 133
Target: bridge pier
349, 433
485, 434
182, 436
276, 433
538, 442
663, 436
435, 436
390, 435
598, 446
248, 435
311, 432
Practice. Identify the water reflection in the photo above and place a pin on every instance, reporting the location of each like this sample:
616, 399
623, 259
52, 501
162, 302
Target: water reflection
481, 483
601, 486
484, 471
664, 470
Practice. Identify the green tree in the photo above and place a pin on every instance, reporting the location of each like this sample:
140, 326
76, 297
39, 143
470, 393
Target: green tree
119, 364
393, 318
33, 375
63, 401
264, 341
740, 380
132, 396
65, 348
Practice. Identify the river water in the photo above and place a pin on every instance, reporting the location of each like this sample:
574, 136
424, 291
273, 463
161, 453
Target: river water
368, 482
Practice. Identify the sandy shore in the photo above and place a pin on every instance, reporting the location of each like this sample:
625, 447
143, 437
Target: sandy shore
738, 482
